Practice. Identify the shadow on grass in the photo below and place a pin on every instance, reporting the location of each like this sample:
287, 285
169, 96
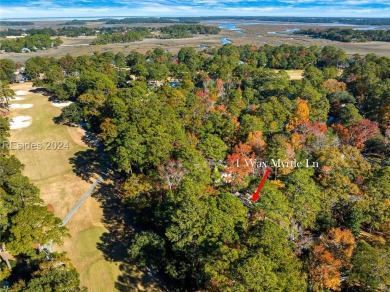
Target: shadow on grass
116, 241
132, 279
90, 140
40, 90
86, 164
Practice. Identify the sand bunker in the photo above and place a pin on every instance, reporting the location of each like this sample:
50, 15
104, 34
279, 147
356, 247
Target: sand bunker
17, 105
61, 104
17, 98
21, 92
20, 122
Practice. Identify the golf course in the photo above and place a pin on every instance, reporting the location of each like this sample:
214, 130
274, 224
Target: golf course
50, 168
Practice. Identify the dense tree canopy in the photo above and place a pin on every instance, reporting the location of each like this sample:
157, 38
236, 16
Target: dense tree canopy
348, 34
188, 154
32, 43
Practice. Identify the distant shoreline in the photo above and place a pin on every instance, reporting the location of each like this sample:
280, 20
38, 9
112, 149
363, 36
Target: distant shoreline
201, 18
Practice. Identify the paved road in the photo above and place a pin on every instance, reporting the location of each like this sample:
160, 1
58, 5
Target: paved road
81, 200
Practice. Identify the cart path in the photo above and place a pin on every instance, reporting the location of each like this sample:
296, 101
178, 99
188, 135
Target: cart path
81, 200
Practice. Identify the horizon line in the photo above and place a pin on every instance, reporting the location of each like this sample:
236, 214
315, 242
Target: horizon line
191, 16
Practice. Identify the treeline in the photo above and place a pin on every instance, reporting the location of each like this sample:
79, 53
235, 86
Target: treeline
76, 31
347, 34
64, 31
74, 22
27, 228
294, 57
132, 35
16, 23
180, 157
124, 34
187, 30
7, 69
151, 20
30, 42
341, 20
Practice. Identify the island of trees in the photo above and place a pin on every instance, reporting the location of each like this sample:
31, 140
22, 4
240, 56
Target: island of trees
74, 22
29, 43
129, 35
178, 155
347, 34
71, 31
15, 23
124, 34
151, 20
187, 30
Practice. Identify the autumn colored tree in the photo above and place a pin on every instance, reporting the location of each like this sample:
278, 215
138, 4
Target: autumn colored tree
301, 115
357, 133
332, 85
256, 141
311, 136
324, 270
239, 165
341, 244
331, 257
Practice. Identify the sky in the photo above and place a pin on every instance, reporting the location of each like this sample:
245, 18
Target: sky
92, 8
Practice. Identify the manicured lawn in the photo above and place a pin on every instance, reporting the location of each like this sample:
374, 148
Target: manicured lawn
51, 171
294, 74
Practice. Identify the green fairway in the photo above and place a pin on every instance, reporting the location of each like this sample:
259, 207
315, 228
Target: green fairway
51, 171
98, 274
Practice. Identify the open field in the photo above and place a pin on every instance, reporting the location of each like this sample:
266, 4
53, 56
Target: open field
264, 34
51, 171
294, 74
255, 34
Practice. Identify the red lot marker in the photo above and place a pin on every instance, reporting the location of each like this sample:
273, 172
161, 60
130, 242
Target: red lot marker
256, 195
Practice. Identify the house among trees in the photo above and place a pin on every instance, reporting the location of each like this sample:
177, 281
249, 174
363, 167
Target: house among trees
174, 83
20, 78
19, 75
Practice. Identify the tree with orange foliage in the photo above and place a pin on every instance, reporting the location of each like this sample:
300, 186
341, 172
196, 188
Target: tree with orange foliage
312, 135
301, 115
220, 87
341, 243
256, 141
329, 257
324, 271
239, 165
357, 133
